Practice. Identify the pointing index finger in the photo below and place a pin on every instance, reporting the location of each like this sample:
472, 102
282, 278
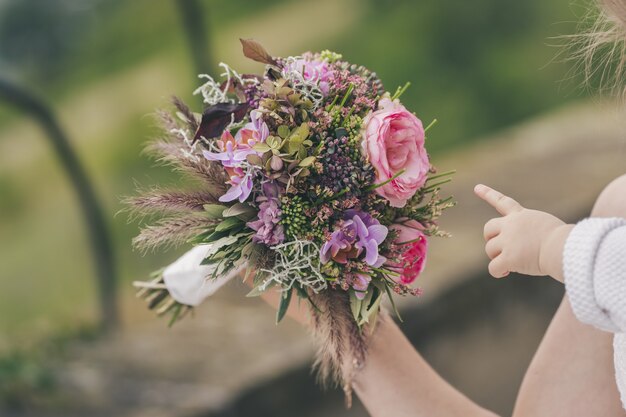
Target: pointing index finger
502, 203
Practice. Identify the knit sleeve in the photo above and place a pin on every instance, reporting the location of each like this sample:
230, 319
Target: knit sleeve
594, 266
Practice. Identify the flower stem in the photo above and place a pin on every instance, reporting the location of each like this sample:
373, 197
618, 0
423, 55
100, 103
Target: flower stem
345, 98
434, 122
435, 185
443, 174
400, 91
375, 186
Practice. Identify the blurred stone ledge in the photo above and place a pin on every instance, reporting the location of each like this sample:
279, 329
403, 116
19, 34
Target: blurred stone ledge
558, 162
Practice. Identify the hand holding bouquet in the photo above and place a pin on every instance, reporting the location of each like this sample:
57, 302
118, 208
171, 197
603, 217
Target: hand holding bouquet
314, 181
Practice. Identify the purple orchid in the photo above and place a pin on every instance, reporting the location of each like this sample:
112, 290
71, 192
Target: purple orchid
241, 186
235, 149
230, 156
359, 232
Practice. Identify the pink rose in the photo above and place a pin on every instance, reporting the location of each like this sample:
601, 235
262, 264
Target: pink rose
411, 259
393, 139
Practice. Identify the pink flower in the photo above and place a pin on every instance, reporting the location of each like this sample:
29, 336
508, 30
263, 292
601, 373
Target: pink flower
360, 283
235, 149
393, 140
241, 186
412, 255
316, 70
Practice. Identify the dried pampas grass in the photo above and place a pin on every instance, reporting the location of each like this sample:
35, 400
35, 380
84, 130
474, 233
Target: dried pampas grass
342, 344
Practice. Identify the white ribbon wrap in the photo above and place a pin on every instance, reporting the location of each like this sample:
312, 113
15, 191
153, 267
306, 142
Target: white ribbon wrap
190, 283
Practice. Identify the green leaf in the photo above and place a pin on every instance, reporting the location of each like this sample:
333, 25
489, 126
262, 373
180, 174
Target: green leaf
261, 147
355, 306
211, 237
393, 303
237, 209
175, 315
216, 257
227, 224
273, 142
365, 303
254, 159
303, 130
371, 310
214, 211
285, 299
256, 292
302, 153
247, 249
283, 131
307, 161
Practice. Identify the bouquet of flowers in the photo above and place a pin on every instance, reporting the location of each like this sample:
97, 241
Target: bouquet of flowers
314, 181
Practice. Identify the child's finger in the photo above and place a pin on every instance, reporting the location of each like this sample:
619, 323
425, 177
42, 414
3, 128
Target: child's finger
493, 248
504, 204
498, 267
492, 228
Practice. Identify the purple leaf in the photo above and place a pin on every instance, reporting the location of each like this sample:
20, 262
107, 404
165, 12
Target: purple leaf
215, 119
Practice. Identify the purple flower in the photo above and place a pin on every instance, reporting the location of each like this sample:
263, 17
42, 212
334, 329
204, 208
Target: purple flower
241, 186
340, 246
316, 70
370, 234
360, 283
268, 228
358, 233
235, 149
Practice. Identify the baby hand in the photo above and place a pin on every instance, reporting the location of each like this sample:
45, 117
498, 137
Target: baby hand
525, 241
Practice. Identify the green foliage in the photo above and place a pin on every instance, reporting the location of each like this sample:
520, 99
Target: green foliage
23, 378
285, 299
476, 66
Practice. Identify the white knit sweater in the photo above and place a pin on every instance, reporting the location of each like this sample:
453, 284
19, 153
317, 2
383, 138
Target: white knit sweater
594, 265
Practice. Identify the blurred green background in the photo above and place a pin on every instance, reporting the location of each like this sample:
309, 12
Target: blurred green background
105, 65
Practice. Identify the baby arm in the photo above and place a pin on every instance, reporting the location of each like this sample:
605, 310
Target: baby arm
589, 257
526, 241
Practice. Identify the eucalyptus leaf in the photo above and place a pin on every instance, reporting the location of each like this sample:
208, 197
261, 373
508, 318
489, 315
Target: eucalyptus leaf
214, 211
227, 224
366, 302
355, 306
285, 299
237, 209
372, 310
212, 237
256, 292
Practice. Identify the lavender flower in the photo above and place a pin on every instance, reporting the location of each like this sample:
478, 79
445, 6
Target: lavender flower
358, 233
268, 228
